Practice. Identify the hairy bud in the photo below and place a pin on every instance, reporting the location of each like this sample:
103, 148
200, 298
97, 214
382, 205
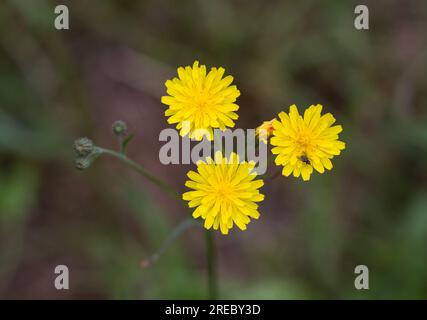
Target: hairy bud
83, 163
120, 128
83, 146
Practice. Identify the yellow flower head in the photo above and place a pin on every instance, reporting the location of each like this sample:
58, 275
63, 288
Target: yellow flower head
224, 193
200, 102
265, 130
304, 143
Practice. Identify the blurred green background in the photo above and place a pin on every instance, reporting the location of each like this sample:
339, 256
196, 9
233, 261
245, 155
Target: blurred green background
56, 86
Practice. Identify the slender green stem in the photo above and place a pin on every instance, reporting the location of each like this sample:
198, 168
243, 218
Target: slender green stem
120, 139
161, 184
183, 226
211, 257
210, 243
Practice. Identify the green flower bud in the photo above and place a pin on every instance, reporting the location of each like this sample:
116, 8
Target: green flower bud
83, 146
83, 163
120, 128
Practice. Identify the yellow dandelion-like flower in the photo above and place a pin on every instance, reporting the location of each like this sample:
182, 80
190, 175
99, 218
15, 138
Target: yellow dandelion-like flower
265, 130
304, 143
200, 102
225, 192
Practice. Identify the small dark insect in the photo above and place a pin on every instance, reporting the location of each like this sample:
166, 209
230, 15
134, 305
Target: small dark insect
305, 159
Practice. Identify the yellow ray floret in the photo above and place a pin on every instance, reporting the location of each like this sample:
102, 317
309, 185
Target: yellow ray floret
302, 143
200, 102
224, 193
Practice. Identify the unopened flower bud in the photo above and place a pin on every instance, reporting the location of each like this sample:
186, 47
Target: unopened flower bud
120, 128
83, 163
83, 146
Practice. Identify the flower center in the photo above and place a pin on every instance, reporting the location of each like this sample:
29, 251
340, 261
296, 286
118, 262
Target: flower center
304, 141
224, 190
200, 100
305, 145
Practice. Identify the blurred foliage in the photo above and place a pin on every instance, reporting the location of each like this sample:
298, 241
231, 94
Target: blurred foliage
58, 85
